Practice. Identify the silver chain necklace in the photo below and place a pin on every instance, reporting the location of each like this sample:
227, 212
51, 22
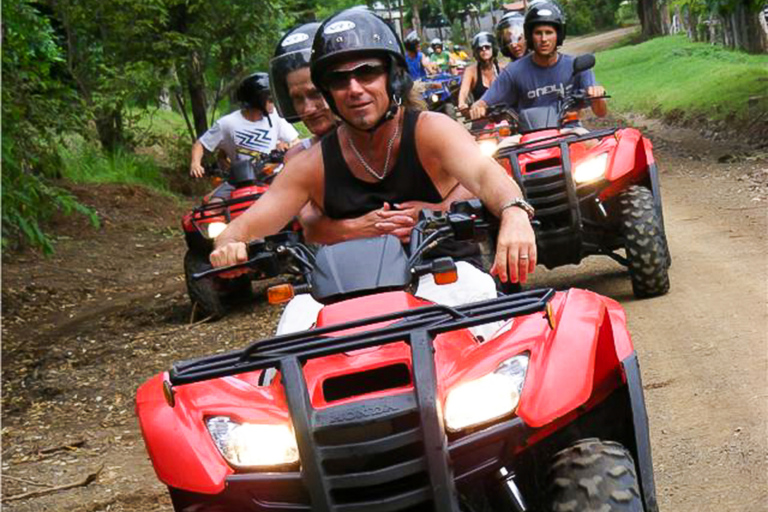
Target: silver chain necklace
367, 167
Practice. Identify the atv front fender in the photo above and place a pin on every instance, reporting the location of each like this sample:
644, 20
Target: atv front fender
182, 452
583, 352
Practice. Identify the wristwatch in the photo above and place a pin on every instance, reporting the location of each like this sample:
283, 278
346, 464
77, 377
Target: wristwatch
521, 203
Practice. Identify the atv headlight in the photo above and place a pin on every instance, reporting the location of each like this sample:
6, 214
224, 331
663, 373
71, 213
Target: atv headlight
253, 445
434, 98
488, 147
592, 169
488, 398
214, 229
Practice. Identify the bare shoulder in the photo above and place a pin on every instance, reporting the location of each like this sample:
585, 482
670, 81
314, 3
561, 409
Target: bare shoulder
434, 128
304, 166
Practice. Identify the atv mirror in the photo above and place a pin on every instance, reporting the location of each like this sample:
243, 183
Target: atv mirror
583, 63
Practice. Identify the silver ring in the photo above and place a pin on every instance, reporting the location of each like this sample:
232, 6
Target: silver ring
523, 256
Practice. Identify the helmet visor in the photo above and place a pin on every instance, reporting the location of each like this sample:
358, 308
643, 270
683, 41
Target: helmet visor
279, 68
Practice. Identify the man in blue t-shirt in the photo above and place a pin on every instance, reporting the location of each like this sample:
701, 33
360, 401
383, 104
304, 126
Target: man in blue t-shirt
418, 63
537, 79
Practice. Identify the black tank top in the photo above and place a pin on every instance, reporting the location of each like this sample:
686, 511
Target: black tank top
347, 196
479, 89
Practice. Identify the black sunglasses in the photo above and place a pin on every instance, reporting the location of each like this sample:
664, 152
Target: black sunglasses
364, 74
486, 47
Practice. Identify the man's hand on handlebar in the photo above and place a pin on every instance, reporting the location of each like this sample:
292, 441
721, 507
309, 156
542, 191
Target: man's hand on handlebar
595, 91
230, 253
478, 109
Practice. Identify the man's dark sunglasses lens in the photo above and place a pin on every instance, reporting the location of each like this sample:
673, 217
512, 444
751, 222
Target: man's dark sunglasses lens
366, 73
486, 47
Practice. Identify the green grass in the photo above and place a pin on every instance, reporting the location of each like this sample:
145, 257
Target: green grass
86, 163
672, 74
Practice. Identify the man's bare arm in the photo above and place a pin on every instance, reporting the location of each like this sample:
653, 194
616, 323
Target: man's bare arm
449, 150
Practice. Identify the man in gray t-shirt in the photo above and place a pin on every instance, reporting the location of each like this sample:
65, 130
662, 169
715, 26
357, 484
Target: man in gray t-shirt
246, 133
537, 79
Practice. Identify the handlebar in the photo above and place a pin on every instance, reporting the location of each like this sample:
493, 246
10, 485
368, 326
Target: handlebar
285, 253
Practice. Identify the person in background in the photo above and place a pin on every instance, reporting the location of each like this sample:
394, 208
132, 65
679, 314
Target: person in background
419, 65
537, 79
247, 133
479, 76
440, 58
511, 37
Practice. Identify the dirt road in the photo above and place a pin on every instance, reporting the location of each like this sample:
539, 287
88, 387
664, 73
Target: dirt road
596, 43
82, 330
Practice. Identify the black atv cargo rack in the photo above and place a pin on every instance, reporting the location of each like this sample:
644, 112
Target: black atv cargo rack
561, 233
331, 471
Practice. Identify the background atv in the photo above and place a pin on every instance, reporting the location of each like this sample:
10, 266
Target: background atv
594, 193
407, 410
248, 181
441, 92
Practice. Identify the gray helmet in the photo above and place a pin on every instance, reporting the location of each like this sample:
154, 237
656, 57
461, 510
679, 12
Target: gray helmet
544, 13
481, 39
509, 28
293, 52
355, 33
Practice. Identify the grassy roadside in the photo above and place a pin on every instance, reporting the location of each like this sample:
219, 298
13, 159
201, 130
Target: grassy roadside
671, 76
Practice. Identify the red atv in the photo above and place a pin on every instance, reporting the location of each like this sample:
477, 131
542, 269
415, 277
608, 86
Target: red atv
594, 192
248, 180
390, 403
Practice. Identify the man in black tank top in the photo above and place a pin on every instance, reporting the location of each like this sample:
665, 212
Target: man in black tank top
370, 164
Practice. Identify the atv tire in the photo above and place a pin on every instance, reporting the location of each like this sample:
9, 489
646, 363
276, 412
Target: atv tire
593, 475
644, 242
209, 293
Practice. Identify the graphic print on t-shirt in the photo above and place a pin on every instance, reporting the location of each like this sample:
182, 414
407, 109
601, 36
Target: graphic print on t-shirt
253, 142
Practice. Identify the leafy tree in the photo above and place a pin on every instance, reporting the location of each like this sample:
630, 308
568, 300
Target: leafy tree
37, 106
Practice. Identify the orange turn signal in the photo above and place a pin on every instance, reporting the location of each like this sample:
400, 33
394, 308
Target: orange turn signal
505, 132
571, 116
280, 293
216, 181
447, 277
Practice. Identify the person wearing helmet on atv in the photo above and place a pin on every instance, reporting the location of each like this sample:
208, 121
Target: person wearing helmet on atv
296, 97
441, 59
247, 133
371, 160
537, 79
478, 77
510, 36
418, 63
459, 54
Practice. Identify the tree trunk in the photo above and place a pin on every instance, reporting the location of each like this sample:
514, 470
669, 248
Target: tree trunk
751, 37
415, 7
649, 12
109, 125
196, 88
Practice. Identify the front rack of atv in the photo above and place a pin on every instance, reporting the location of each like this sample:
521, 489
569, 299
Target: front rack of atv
224, 208
330, 491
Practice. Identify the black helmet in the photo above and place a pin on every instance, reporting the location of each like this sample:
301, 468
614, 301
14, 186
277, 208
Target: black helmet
547, 13
509, 29
253, 91
412, 41
293, 52
354, 33
481, 39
